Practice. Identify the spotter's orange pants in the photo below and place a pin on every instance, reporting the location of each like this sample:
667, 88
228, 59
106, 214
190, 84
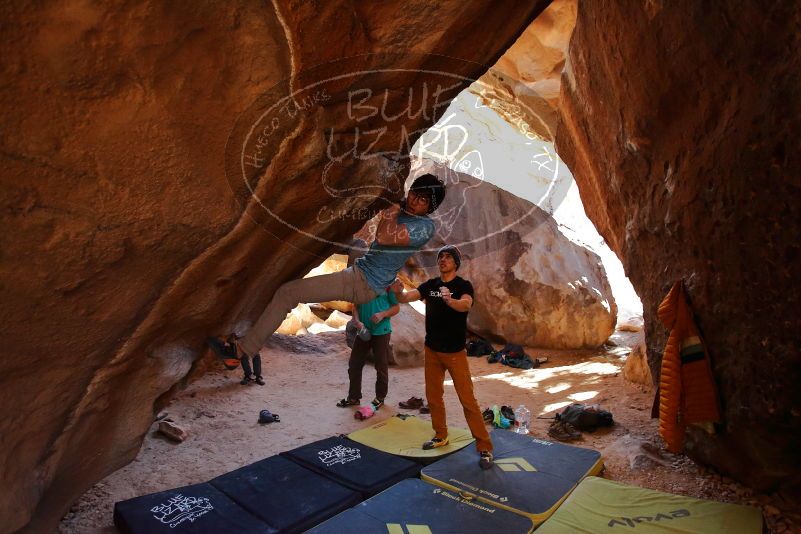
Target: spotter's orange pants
456, 365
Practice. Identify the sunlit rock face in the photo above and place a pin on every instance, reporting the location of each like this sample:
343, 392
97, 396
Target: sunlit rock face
533, 286
680, 122
523, 86
134, 137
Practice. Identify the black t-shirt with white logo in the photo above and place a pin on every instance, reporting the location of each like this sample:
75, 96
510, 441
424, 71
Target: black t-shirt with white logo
446, 328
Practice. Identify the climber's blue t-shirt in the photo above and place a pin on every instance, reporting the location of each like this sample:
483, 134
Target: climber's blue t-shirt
382, 262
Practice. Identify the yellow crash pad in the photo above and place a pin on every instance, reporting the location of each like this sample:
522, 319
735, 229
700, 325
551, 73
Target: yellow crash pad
599, 505
405, 436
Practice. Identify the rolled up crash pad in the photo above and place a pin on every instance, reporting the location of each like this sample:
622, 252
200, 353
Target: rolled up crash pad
355, 466
599, 505
199, 509
286, 496
404, 436
530, 477
413, 506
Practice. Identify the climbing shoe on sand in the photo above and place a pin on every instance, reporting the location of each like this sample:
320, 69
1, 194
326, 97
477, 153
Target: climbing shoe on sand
413, 403
266, 417
563, 431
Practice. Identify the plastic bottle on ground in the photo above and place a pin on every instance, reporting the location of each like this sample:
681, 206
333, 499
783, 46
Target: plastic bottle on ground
522, 418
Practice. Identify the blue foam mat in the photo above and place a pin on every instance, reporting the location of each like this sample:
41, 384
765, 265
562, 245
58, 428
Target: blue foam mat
353, 465
197, 509
530, 476
286, 496
416, 506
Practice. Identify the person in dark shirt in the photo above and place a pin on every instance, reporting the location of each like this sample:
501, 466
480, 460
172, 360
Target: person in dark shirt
448, 299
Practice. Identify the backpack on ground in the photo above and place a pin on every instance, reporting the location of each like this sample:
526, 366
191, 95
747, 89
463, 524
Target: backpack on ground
586, 418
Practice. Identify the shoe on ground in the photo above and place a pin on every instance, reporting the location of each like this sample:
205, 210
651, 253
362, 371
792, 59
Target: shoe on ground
563, 431
435, 443
413, 403
508, 413
246, 380
377, 403
260, 380
488, 415
425, 409
485, 460
347, 401
266, 417
225, 349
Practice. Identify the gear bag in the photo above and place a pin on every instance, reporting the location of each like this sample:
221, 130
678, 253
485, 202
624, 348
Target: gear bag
586, 418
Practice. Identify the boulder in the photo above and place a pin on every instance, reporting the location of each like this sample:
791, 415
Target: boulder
318, 328
290, 326
333, 264
636, 367
140, 216
688, 165
337, 320
533, 286
300, 317
408, 335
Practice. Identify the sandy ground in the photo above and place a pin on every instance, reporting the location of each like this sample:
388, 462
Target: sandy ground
307, 375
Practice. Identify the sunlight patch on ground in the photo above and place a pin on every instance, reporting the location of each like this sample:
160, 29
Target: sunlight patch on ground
579, 375
531, 378
557, 388
553, 407
584, 395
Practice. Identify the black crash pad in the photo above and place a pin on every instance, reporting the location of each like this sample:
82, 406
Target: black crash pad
530, 477
356, 466
414, 506
286, 496
197, 509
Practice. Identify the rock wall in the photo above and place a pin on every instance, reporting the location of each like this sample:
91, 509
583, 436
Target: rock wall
523, 86
128, 234
680, 122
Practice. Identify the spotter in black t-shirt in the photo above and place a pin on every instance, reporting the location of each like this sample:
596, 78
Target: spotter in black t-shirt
446, 328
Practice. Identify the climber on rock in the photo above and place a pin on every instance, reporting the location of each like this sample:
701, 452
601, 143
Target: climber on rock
402, 230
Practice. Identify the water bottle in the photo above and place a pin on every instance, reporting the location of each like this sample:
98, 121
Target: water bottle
522, 416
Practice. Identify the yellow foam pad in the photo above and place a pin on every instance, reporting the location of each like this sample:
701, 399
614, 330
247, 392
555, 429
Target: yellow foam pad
405, 437
599, 505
